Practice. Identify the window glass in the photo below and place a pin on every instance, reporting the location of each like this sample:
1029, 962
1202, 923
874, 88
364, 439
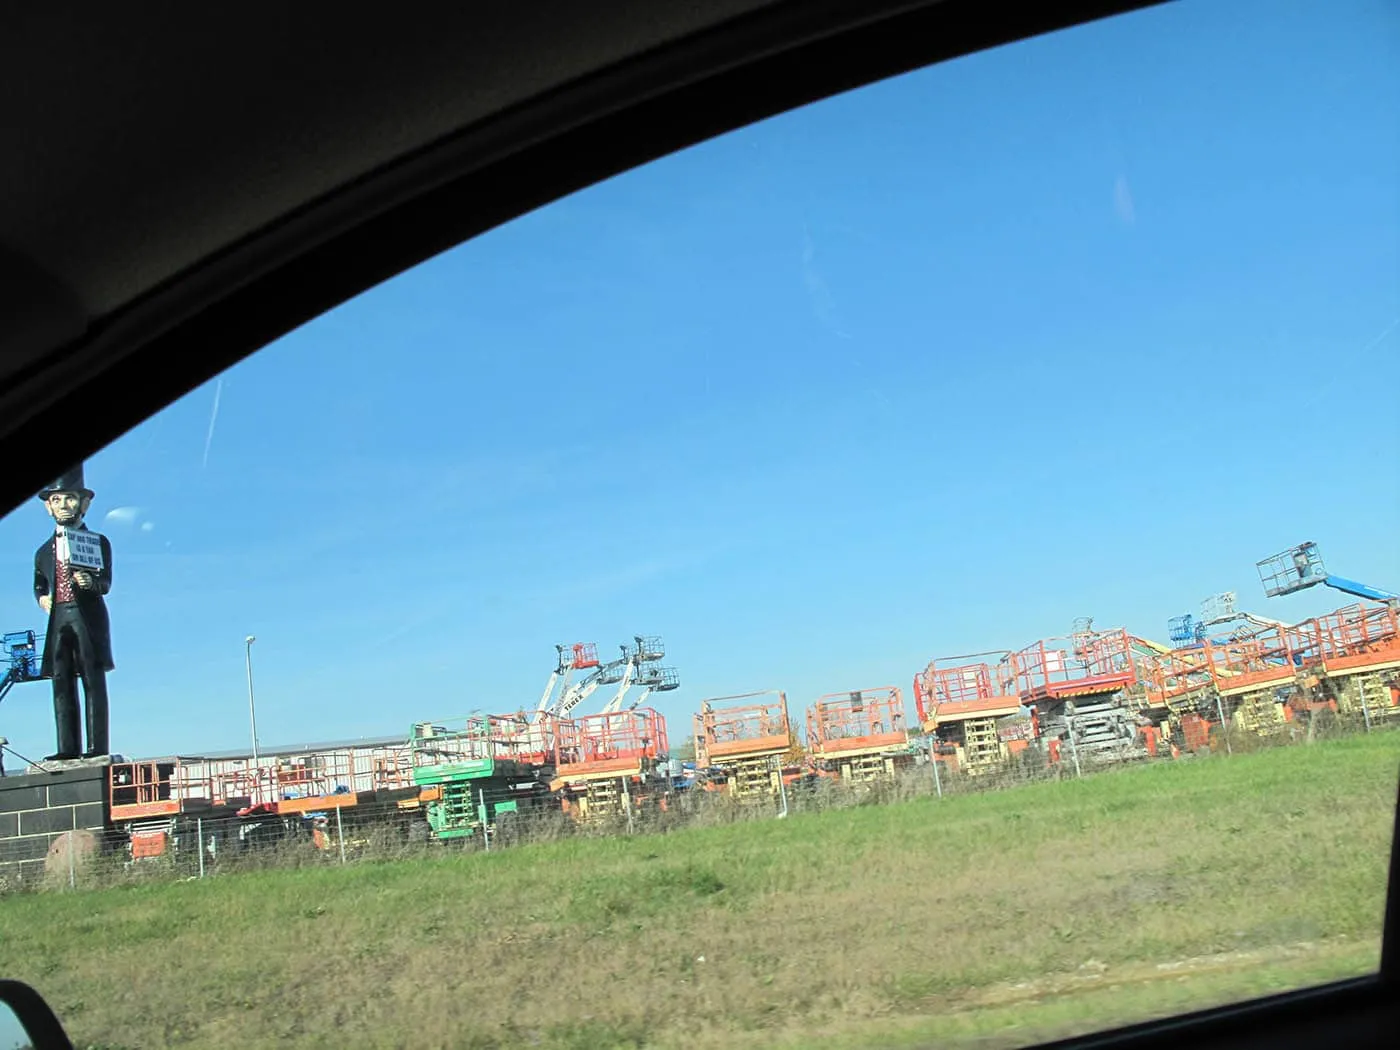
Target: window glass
918, 570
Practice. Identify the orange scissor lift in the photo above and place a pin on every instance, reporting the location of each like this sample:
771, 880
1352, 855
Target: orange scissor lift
1082, 691
238, 802
1188, 682
1255, 677
860, 736
746, 741
604, 764
1349, 660
960, 706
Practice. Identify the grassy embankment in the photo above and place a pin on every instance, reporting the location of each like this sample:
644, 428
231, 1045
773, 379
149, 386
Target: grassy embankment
1000, 918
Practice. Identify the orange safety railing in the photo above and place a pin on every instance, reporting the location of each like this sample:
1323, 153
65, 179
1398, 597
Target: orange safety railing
503, 738
863, 720
516, 738
1351, 638
1263, 660
583, 655
1185, 671
620, 743
724, 730
1084, 664
962, 690
289, 783
151, 788
391, 768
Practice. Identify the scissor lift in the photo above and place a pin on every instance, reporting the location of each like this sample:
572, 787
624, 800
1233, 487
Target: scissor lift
1079, 689
861, 735
606, 764
744, 738
1350, 660
477, 776
960, 707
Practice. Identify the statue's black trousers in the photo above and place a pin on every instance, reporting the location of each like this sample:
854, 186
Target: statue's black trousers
73, 658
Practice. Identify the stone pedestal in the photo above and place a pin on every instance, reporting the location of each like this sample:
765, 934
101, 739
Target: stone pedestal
37, 808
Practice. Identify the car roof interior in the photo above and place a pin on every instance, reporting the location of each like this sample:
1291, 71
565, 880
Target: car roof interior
185, 187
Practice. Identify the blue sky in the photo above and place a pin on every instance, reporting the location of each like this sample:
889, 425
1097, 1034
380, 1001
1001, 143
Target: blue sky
1080, 327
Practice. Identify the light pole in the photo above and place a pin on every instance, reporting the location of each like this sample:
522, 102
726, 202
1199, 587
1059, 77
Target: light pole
252, 711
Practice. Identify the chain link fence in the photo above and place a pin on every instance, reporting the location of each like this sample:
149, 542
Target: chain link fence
191, 846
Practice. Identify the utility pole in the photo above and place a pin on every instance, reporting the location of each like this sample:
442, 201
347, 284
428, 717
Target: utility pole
252, 710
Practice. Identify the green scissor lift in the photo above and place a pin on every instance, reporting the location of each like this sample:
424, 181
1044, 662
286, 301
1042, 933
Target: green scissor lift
482, 792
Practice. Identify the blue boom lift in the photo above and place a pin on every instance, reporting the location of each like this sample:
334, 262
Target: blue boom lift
21, 660
1301, 567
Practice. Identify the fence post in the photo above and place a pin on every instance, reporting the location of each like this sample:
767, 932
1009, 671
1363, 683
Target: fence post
1224, 725
937, 777
1073, 747
199, 833
72, 865
481, 814
340, 833
782, 787
1365, 708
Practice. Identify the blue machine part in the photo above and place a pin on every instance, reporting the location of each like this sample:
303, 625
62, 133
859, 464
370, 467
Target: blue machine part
1300, 567
22, 654
21, 659
1181, 628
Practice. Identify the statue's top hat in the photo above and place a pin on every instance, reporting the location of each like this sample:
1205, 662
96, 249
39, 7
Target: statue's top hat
71, 480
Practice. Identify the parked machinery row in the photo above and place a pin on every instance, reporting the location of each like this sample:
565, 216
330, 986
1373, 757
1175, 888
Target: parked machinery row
468, 781
1092, 696
1109, 696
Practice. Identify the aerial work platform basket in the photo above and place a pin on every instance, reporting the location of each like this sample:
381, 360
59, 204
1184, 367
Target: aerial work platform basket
612, 744
330, 778
864, 721
744, 737
1353, 638
1087, 663
955, 693
961, 706
1292, 570
729, 730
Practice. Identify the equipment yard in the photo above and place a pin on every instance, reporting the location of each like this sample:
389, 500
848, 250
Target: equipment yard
992, 918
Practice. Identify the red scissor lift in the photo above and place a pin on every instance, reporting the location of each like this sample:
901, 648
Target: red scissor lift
1078, 689
859, 736
1349, 661
238, 803
745, 741
961, 706
604, 764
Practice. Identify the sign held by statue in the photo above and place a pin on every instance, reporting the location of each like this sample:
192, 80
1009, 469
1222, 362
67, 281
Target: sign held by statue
85, 550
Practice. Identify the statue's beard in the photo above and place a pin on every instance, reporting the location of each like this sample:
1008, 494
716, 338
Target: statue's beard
67, 519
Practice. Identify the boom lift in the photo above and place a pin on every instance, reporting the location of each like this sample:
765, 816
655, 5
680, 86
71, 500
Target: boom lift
636, 666
21, 660
1219, 620
581, 656
1301, 567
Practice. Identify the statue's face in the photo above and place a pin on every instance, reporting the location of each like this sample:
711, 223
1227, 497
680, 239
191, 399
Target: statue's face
66, 508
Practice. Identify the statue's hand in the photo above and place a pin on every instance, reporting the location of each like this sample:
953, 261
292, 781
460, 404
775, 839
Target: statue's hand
84, 579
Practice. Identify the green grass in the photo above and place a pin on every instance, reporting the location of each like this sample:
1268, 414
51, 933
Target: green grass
999, 919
